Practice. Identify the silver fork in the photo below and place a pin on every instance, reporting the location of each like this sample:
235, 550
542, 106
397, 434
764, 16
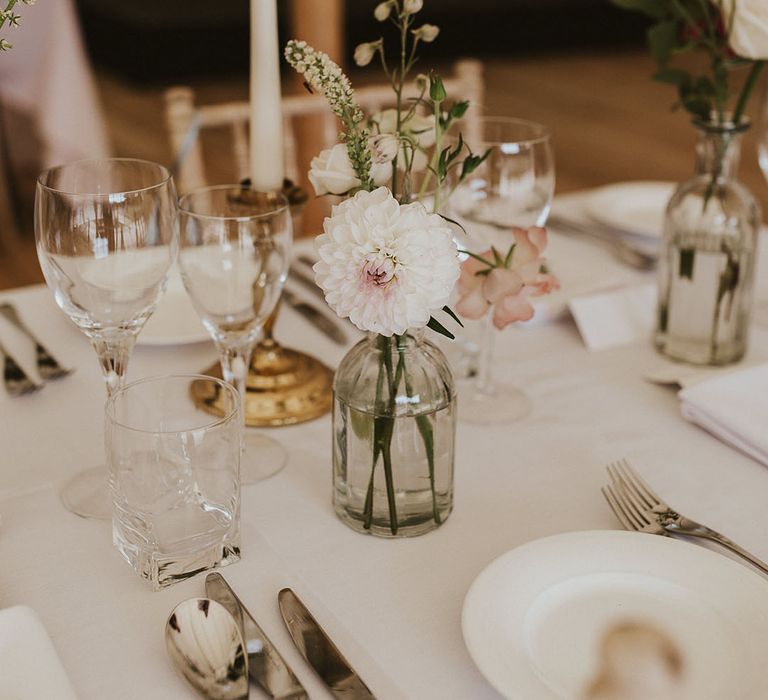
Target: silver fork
622, 249
16, 380
639, 508
47, 365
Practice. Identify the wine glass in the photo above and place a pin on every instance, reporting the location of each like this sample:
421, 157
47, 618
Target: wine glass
761, 288
514, 186
106, 233
234, 254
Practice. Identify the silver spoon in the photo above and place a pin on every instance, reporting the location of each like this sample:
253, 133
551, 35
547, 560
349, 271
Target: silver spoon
205, 643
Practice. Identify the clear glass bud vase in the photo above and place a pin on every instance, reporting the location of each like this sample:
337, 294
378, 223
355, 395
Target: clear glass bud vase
707, 262
394, 426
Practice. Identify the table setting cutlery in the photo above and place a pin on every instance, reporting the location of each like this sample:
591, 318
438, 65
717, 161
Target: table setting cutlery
319, 651
206, 646
619, 244
317, 318
639, 508
265, 665
47, 365
16, 381
217, 644
305, 279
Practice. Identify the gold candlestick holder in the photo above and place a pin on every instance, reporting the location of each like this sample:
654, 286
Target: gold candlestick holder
284, 386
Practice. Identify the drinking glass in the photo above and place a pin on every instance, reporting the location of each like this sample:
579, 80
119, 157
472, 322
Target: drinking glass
174, 477
106, 233
235, 248
761, 283
514, 186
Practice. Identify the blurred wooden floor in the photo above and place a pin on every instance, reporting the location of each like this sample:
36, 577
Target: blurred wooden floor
609, 120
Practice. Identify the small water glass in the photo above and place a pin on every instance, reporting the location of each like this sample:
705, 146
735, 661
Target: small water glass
174, 474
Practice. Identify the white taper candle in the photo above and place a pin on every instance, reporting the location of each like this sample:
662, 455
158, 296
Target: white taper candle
267, 168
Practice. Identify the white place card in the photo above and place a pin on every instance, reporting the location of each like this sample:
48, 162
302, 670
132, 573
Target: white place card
615, 317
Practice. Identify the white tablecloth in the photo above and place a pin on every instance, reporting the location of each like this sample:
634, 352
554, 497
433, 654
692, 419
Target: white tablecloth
393, 607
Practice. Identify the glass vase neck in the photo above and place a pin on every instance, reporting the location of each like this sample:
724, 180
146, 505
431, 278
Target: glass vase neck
409, 337
718, 150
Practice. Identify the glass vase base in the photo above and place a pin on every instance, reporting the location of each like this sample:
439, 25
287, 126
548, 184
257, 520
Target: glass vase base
698, 352
418, 520
87, 495
761, 314
262, 458
506, 404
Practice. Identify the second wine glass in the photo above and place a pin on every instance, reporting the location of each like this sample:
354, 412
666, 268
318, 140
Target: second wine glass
513, 187
235, 249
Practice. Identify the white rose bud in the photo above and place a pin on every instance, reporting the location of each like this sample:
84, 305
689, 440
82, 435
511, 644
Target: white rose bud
332, 173
382, 11
748, 35
411, 7
364, 53
383, 147
426, 32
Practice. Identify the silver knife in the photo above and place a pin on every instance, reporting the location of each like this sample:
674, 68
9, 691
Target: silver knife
306, 281
316, 317
265, 665
319, 651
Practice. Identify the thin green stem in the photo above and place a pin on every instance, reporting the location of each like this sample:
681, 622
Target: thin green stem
438, 149
746, 91
375, 448
478, 258
8, 8
427, 436
386, 439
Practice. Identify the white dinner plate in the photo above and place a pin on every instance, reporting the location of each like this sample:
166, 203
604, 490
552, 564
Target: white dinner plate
534, 618
175, 321
634, 207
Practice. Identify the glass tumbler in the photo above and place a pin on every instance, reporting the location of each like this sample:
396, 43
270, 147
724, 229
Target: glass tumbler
174, 474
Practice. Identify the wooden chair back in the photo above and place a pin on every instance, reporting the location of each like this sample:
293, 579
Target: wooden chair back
187, 121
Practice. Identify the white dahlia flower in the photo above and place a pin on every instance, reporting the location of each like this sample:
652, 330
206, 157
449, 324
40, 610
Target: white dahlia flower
387, 266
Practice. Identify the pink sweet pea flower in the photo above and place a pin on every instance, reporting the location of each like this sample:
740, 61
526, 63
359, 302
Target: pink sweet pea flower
506, 288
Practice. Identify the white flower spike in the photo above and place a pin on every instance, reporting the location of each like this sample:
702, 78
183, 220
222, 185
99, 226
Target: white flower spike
384, 147
411, 7
382, 11
426, 32
364, 53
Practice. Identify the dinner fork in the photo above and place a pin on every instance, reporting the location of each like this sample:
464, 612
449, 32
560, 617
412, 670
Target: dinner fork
14, 377
639, 508
622, 249
47, 365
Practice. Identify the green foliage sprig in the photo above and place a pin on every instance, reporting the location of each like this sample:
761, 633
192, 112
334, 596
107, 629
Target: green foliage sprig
685, 26
9, 17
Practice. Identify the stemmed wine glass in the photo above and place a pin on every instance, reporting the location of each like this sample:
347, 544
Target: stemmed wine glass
106, 233
234, 254
761, 305
513, 187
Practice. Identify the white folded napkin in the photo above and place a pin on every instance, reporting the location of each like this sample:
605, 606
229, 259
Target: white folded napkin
29, 666
734, 408
615, 317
